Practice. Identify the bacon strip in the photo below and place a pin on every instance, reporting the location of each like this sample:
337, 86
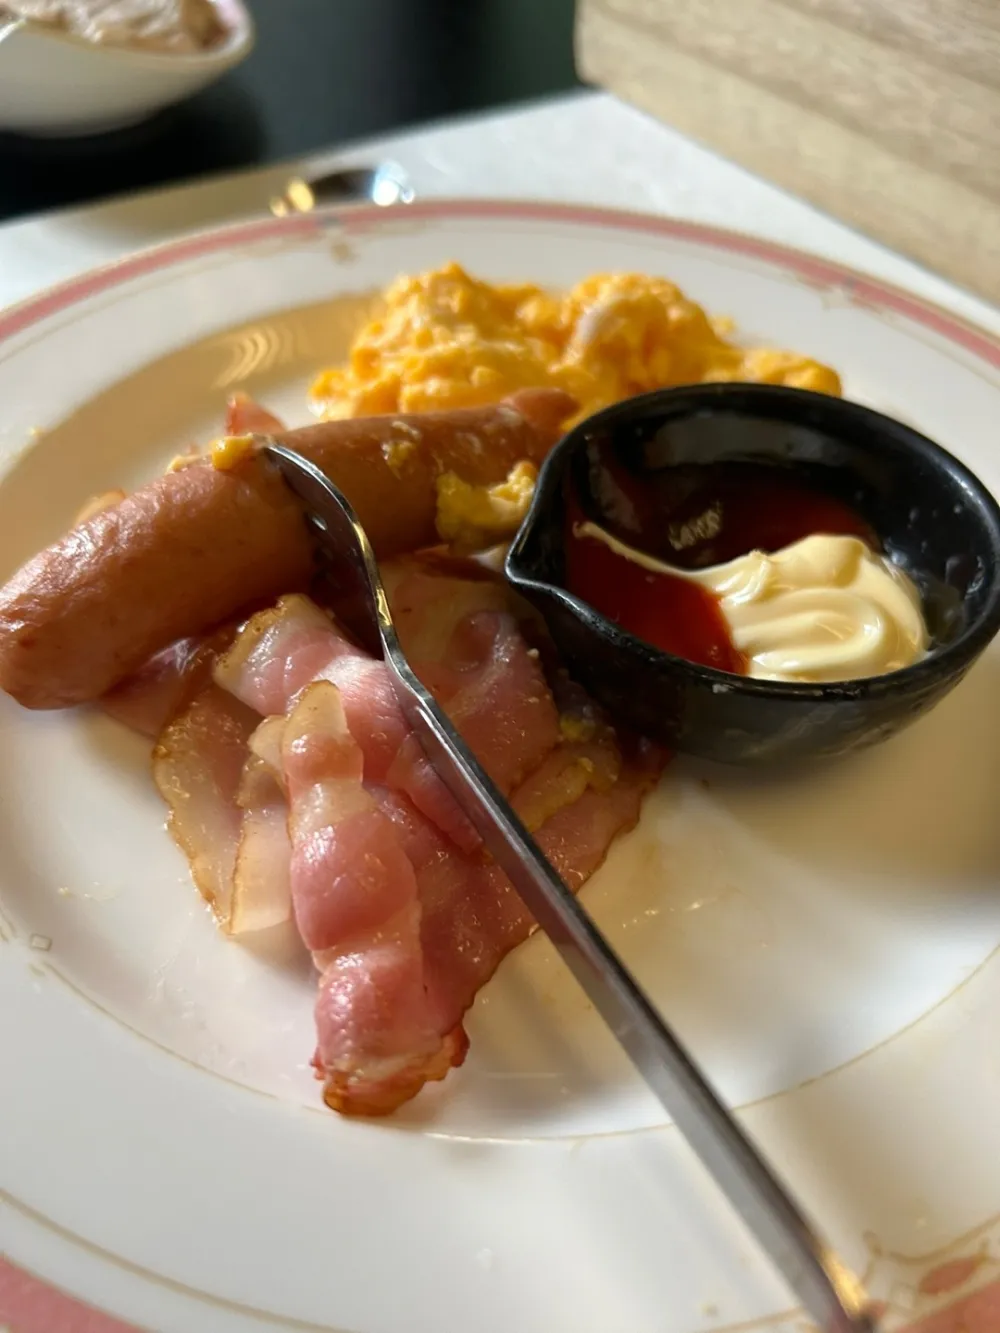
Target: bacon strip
472, 917
167, 683
197, 766
357, 907
336, 810
245, 416
281, 651
262, 889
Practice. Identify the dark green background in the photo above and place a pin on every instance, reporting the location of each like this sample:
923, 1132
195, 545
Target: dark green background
323, 72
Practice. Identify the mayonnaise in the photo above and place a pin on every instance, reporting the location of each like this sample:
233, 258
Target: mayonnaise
822, 609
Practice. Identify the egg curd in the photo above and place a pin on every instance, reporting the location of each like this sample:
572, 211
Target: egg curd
473, 518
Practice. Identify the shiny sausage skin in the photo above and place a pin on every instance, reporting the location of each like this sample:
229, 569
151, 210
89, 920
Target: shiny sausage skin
195, 546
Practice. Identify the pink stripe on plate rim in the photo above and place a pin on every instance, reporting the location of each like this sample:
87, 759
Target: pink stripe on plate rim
865, 289
28, 1305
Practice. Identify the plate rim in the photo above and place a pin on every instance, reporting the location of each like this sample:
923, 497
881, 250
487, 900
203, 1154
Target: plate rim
864, 287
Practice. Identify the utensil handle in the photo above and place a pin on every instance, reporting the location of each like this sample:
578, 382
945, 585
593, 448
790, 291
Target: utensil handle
828, 1293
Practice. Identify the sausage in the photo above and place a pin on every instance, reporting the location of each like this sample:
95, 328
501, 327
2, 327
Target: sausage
197, 545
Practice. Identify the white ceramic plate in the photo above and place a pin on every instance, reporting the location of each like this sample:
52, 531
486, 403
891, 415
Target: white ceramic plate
826, 948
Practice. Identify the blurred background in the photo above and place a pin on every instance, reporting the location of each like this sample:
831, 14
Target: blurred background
323, 72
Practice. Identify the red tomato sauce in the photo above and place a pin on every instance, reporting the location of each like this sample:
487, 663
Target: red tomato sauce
693, 517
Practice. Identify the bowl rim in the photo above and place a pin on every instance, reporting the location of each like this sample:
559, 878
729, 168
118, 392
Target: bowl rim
237, 44
963, 649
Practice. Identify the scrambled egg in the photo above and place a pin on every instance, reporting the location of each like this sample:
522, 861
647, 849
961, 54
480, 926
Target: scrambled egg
573, 727
225, 454
444, 339
229, 451
474, 518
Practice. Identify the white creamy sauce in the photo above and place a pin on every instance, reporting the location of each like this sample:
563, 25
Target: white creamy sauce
822, 609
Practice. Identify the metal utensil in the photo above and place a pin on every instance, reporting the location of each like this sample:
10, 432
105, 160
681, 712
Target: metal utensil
384, 185
9, 25
829, 1293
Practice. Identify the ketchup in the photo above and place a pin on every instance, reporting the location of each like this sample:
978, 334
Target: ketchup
693, 517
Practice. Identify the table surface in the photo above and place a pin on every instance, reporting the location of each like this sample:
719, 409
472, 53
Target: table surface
585, 147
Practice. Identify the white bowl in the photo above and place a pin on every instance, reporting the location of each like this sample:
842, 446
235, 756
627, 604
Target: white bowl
55, 84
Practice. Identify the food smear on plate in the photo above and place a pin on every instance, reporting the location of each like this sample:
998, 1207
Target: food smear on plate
200, 543
444, 339
296, 787
737, 567
169, 27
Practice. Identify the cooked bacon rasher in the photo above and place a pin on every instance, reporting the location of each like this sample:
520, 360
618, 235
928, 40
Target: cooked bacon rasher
295, 785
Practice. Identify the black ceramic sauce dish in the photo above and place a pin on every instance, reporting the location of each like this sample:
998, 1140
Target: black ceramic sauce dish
933, 516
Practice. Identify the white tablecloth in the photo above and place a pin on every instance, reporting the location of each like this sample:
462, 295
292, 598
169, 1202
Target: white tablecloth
585, 148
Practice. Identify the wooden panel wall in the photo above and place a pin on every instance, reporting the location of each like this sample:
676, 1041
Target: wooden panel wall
884, 113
